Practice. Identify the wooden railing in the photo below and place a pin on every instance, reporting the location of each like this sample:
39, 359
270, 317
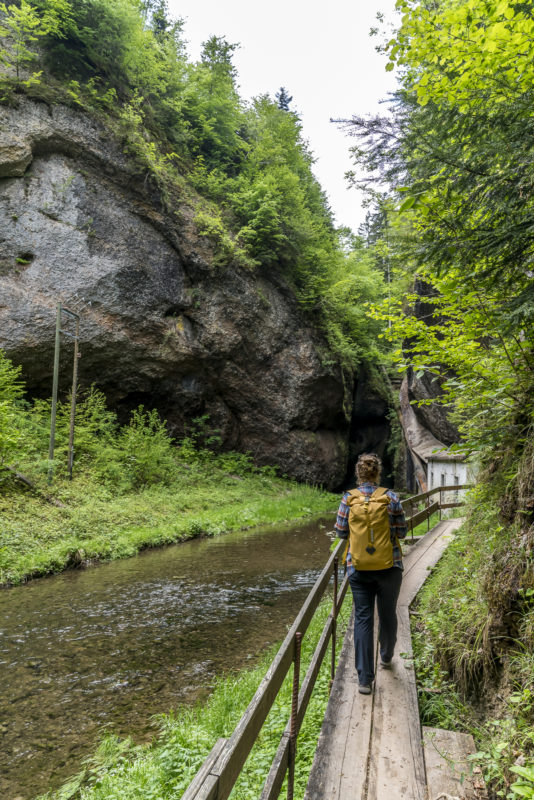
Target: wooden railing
219, 772
415, 516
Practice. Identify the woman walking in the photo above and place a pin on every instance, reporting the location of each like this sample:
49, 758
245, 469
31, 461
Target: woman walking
372, 520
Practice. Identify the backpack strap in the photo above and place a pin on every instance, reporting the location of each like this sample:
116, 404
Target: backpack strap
380, 492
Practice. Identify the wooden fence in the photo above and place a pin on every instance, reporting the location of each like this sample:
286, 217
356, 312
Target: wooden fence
219, 772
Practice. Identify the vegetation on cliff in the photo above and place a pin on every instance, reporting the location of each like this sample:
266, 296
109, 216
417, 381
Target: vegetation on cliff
245, 168
456, 151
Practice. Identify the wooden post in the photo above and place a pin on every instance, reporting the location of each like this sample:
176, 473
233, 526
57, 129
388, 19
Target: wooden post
54, 395
334, 626
293, 722
73, 396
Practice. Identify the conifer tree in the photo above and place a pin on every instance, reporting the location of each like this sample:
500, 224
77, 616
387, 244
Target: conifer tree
283, 98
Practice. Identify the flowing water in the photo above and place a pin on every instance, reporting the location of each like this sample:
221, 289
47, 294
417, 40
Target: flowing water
107, 648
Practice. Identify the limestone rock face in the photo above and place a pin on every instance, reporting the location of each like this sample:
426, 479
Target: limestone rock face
160, 324
434, 417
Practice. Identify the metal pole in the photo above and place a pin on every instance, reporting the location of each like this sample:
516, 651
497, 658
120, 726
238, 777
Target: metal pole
73, 396
54, 395
293, 721
334, 627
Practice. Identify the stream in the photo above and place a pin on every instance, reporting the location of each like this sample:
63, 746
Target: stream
104, 649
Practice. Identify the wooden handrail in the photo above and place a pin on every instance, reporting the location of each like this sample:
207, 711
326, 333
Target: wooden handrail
417, 498
220, 770
225, 768
430, 508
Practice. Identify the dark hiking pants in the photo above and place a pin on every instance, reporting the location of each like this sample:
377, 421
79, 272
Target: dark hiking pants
384, 585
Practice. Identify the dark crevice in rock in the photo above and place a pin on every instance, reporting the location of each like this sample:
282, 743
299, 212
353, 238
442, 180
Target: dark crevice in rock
25, 258
370, 430
173, 311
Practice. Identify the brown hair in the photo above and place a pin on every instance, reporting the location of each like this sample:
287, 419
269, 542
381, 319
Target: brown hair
368, 468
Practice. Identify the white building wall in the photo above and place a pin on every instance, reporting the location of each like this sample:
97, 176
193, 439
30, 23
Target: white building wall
443, 472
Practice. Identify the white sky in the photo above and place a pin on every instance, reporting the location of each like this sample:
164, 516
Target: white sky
321, 52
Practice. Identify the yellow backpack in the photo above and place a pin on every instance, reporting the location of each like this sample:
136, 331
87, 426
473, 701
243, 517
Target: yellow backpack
369, 532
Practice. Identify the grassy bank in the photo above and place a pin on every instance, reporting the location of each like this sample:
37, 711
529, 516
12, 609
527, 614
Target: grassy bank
473, 632
119, 770
133, 485
37, 537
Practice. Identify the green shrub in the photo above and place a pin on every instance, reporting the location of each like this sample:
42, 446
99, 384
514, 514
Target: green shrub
11, 391
147, 450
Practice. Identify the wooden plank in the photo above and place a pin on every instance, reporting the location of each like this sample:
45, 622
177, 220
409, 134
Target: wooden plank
209, 789
193, 788
342, 760
341, 594
240, 743
356, 720
417, 498
420, 516
275, 778
308, 683
339, 770
276, 774
448, 768
396, 763
417, 553
426, 556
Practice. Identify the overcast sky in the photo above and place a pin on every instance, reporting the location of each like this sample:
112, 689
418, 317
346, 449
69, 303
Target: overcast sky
321, 52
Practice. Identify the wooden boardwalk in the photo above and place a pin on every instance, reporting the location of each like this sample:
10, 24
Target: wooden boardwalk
370, 746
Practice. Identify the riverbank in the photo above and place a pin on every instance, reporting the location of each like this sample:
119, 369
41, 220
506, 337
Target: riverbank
94, 524
163, 769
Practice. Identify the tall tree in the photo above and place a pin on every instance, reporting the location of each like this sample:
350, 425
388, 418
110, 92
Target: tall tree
283, 99
457, 150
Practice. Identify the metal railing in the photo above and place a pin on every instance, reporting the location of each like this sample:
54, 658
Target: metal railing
220, 771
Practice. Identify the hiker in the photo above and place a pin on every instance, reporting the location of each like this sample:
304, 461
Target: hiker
372, 520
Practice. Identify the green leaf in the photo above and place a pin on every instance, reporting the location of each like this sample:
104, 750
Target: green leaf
407, 204
522, 790
525, 772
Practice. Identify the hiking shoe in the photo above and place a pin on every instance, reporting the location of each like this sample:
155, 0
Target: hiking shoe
365, 688
386, 664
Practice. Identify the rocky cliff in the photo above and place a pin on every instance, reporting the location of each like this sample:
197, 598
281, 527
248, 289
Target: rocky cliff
160, 324
426, 425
